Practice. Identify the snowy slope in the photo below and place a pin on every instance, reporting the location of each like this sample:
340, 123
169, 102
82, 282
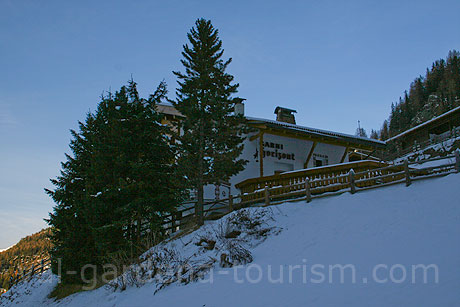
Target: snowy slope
383, 231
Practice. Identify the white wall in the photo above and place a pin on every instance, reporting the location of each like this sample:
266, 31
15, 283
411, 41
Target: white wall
332, 153
291, 156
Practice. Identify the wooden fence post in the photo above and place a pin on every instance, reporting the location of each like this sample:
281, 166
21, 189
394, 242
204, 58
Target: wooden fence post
173, 222
42, 264
407, 172
32, 270
307, 189
351, 177
457, 160
179, 218
267, 196
230, 202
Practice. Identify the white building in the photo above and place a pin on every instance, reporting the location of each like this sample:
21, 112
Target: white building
281, 145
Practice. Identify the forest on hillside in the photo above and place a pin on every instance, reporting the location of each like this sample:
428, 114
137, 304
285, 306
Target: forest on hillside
429, 96
29, 250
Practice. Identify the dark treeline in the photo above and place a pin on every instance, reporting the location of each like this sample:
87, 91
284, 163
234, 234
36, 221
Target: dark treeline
26, 252
429, 96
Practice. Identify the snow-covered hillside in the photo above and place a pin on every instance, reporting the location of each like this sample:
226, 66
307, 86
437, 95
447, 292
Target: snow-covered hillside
383, 239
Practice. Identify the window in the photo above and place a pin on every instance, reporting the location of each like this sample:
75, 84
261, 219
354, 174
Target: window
283, 167
320, 160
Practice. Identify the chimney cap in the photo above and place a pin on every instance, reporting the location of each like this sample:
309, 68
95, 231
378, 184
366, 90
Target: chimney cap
282, 109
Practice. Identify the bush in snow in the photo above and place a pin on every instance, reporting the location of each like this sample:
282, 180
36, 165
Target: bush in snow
229, 240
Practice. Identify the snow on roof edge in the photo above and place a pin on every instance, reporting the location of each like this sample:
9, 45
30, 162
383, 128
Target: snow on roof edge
315, 130
425, 123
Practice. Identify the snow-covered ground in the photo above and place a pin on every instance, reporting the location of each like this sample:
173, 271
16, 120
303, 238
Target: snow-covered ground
386, 238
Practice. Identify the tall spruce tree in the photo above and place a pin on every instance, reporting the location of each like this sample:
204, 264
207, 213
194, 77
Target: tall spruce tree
211, 134
122, 173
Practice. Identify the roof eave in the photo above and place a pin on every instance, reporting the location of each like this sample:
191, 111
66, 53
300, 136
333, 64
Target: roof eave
348, 141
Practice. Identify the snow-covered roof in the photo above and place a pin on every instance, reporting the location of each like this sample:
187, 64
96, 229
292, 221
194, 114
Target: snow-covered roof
167, 108
425, 123
321, 133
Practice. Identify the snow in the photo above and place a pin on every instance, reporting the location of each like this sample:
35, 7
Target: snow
31, 293
317, 131
5, 249
331, 165
433, 163
445, 146
97, 194
383, 231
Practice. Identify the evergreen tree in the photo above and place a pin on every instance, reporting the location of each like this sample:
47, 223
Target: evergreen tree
122, 173
72, 239
429, 96
361, 132
374, 134
384, 133
212, 134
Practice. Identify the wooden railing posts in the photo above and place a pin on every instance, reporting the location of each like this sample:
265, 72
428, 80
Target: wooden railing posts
407, 172
307, 190
457, 160
230, 202
298, 187
24, 273
267, 196
351, 176
173, 222
32, 270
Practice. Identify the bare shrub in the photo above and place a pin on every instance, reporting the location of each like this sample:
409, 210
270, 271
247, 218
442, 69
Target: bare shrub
228, 239
237, 254
247, 219
206, 241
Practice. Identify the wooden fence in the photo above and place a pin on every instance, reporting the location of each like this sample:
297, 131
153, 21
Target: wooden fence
314, 183
296, 186
418, 146
321, 180
22, 274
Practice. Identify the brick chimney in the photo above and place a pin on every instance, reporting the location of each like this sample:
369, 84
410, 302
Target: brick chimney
285, 115
239, 106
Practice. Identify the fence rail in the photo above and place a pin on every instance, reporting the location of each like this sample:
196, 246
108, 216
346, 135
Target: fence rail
314, 183
296, 186
417, 146
22, 274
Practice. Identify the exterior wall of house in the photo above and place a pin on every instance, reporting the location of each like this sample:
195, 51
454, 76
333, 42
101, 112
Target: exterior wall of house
280, 154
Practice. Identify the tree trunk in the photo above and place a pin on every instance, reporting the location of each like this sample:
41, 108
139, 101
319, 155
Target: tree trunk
200, 189
139, 220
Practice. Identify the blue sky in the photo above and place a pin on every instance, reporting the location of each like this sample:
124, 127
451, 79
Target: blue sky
335, 62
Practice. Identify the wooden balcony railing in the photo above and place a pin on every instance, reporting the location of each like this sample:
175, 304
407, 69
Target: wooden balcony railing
322, 179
